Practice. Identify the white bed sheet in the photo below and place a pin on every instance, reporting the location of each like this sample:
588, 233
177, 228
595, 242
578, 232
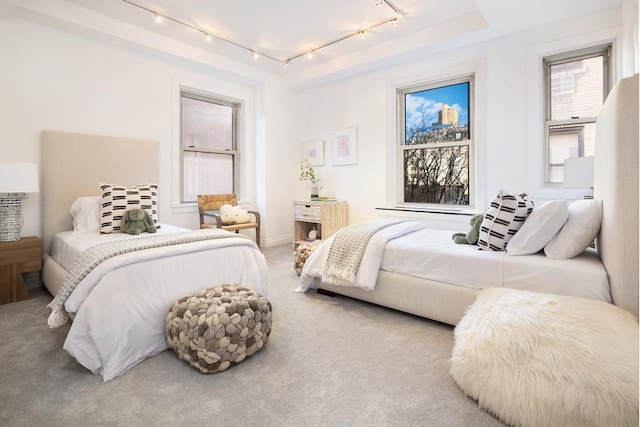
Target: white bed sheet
120, 311
432, 254
67, 245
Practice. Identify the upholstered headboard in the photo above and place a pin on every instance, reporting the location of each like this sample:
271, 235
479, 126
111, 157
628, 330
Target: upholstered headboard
616, 184
73, 165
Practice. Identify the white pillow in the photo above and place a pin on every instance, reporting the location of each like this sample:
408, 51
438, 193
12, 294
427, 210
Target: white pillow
541, 225
582, 226
86, 214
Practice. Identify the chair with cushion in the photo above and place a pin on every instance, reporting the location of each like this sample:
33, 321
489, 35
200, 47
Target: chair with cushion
209, 206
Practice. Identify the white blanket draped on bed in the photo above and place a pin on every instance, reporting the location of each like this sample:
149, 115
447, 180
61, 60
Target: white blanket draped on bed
121, 306
94, 256
372, 258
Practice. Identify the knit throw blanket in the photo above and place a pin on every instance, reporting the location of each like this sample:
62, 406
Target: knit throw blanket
92, 257
346, 252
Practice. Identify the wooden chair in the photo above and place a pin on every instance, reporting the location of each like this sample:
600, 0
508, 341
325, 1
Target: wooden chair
209, 206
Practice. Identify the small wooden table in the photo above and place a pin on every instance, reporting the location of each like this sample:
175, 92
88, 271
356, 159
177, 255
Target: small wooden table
16, 258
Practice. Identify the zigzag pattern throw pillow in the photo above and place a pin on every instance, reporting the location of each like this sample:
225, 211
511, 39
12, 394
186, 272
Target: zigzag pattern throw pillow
503, 219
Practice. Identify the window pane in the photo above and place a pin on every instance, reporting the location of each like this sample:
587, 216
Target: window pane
206, 173
437, 175
437, 115
206, 125
568, 141
577, 88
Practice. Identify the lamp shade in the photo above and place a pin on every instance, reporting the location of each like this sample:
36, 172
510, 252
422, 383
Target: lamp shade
18, 177
578, 172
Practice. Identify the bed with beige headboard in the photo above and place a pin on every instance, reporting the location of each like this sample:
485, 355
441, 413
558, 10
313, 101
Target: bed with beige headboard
615, 184
119, 312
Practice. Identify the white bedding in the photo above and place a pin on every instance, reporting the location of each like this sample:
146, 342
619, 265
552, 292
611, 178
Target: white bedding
431, 254
120, 310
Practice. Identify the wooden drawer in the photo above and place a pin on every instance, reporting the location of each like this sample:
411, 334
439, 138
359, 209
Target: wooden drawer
308, 213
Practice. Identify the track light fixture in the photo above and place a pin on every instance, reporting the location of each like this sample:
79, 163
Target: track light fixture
208, 35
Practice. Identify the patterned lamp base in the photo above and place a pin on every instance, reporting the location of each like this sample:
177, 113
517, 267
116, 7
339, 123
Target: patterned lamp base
10, 217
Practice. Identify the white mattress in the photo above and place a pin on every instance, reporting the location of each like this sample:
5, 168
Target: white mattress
432, 254
67, 245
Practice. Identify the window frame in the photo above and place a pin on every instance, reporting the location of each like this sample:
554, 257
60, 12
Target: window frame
471, 143
604, 50
234, 151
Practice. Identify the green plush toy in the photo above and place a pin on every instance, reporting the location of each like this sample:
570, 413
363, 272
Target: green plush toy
136, 221
470, 238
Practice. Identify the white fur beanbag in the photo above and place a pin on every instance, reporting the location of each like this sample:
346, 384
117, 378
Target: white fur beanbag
536, 359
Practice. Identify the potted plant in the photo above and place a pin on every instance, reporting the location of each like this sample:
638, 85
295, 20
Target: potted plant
308, 174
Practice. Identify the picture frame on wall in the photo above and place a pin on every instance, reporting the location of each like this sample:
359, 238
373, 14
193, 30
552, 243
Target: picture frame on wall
314, 152
345, 146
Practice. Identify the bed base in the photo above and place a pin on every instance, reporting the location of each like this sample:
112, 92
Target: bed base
443, 302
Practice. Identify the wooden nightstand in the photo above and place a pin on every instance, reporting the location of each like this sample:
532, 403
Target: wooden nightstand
22, 256
324, 217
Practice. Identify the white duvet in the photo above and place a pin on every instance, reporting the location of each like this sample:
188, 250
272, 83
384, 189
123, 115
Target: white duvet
431, 254
120, 308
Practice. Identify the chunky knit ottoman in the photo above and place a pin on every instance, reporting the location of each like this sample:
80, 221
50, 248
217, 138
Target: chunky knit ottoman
302, 253
216, 328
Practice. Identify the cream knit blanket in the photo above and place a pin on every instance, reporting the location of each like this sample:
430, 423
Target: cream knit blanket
346, 252
92, 257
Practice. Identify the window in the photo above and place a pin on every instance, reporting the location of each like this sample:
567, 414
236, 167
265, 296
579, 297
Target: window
576, 85
208, 146
436, 142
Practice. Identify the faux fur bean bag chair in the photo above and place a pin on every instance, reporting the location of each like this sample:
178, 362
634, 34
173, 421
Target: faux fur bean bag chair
536, 359
216, 328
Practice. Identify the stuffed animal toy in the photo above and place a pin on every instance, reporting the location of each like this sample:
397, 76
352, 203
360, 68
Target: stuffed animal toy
471, 237
136, 221
240, 215
227, 214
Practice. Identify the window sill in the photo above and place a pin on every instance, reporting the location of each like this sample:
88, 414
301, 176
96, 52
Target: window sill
428, 211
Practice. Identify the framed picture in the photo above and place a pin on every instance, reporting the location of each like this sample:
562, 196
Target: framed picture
345, 146
314, 152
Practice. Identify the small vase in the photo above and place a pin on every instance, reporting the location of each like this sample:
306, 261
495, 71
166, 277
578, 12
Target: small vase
314, 191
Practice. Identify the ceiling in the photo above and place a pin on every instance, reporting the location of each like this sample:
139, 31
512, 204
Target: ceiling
281, 30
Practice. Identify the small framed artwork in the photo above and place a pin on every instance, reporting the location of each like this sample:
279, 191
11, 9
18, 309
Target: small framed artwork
345, 146
314, 152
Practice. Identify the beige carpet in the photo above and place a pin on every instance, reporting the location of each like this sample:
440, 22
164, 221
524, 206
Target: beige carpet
329, 362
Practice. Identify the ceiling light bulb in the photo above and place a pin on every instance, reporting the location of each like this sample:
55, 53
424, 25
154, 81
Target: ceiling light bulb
208, 37
394, 22
254, 55
310, 54
285, 63
158, 18
362, 36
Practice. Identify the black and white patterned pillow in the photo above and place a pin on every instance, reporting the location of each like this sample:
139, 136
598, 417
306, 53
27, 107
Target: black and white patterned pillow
116, 199
503, 219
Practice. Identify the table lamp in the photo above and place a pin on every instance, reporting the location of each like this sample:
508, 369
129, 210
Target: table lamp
16, 180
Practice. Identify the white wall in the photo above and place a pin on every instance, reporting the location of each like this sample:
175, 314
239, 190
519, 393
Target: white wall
502, 144
57, 80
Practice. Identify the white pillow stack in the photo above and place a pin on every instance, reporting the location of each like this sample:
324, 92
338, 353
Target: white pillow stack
86, 214
582, 226
541, 226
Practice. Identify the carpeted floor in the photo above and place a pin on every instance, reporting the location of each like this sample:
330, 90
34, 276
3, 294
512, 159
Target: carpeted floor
329, 362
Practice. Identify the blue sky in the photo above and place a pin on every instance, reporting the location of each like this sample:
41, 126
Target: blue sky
421, 108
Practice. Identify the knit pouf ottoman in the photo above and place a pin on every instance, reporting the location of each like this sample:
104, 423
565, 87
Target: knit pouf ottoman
535, 359
216, 328
302, 253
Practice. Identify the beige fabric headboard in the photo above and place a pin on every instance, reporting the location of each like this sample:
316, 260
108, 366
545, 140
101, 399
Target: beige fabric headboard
73, 165
616, 184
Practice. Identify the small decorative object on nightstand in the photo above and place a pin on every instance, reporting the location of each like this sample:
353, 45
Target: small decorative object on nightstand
21, 256
323, 217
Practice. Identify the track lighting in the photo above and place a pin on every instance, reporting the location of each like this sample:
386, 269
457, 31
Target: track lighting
397, 13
